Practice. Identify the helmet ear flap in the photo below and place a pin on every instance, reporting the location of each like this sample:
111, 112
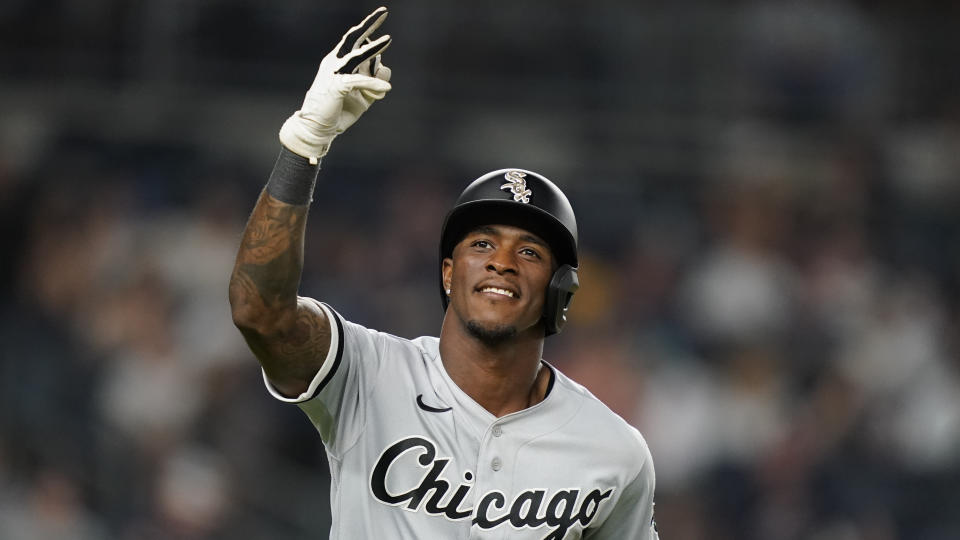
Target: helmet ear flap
560, 291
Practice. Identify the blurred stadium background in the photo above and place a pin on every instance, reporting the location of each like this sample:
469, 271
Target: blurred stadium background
768, 195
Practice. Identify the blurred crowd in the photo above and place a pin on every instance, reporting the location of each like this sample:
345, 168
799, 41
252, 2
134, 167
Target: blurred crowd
777, 309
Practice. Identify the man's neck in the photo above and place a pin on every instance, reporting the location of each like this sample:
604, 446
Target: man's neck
503, 378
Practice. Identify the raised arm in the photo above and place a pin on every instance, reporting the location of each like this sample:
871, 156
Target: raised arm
289, 334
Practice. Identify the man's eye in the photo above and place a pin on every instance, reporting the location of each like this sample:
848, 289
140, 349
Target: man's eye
530, 252
481, 244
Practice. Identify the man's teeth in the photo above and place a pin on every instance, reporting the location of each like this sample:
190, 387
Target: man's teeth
497, 291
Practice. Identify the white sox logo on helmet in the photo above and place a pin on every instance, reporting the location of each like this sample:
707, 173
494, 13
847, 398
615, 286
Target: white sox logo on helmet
518, 186
564, 508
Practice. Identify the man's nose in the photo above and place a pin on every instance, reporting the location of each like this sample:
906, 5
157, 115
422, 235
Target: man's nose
502, 262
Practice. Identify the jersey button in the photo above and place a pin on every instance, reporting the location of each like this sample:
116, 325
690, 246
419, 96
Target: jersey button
496, 464
497, 430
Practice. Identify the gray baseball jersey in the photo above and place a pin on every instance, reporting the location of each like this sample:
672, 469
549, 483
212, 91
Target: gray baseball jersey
413, 456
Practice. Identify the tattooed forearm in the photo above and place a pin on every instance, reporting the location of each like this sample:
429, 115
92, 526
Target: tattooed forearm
288, 334
273, 230
267, 273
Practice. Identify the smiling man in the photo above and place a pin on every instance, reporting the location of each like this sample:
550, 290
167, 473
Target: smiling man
469, 435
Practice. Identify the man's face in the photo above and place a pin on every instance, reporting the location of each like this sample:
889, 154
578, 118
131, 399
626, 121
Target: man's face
498, 277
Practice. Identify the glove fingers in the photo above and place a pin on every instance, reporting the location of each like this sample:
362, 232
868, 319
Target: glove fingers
364, 53
375, 68
369, 67
371, 96
358, 33
383, 73
372, 85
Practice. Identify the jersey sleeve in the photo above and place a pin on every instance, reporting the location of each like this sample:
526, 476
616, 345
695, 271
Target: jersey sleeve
632, 517
336, 399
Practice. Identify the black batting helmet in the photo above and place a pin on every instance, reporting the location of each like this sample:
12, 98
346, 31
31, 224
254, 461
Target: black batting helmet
527, 200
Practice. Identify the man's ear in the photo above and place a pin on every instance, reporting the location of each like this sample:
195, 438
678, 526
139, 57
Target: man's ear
446, 272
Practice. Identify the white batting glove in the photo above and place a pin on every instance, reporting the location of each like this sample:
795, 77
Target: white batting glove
349, 80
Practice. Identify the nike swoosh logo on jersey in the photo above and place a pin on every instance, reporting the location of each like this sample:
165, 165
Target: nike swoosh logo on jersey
428, 408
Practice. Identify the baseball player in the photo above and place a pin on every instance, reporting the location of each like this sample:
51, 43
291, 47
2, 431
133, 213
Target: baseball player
469, 435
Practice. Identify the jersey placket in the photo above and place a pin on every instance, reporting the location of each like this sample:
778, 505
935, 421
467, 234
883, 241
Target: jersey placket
494, 482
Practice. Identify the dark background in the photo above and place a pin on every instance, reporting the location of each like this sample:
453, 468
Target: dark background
768, 203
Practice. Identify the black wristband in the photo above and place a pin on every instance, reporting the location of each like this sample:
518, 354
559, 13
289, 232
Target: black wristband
292, 179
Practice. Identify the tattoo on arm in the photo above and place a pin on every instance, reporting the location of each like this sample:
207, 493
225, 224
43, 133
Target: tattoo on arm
309, 334
290, 335
272, 249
